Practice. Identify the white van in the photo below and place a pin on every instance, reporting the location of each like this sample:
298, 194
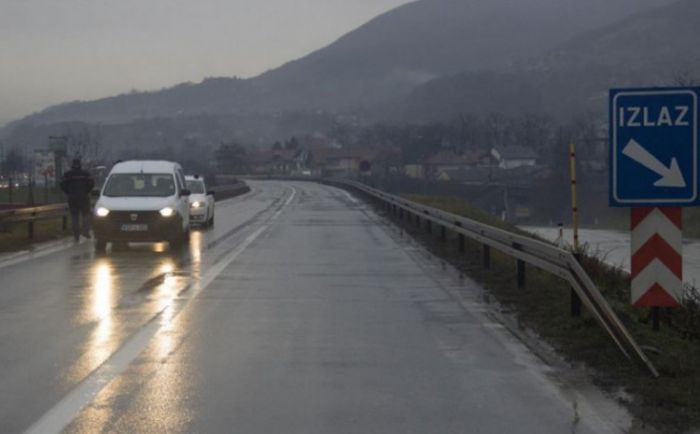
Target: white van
143, 201
201, 202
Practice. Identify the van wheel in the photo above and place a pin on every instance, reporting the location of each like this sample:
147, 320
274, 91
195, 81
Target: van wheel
120, 246
176, 242
100, 246
180, 240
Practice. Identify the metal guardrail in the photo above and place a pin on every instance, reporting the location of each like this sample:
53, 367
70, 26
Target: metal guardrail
33, 214
60, 211
547, 257
228, 191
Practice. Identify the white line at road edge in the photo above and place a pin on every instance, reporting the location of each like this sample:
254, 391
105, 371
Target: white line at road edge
352, 199
68, 408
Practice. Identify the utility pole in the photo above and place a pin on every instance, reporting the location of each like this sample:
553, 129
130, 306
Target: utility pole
2, 158
59, 146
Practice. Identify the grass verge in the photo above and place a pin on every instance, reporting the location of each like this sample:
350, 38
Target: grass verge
21, 195
14, 236
669, 403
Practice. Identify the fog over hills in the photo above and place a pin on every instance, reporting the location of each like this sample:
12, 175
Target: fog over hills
380, 62
657, 47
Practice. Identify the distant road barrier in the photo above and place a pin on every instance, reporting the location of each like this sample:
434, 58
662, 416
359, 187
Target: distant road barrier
31, 215
222, 192
523, 249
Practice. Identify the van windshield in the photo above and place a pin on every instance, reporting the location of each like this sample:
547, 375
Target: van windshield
140, 185
196, 186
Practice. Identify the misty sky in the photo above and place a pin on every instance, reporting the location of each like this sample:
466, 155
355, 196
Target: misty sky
54, 51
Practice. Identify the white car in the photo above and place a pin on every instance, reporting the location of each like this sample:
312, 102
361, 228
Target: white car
143, 201
201, 202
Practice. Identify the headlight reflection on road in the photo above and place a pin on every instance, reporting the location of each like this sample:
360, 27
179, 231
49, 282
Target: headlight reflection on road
97, 309
167, 290
102, 298
102, 292
196, 248
164, 398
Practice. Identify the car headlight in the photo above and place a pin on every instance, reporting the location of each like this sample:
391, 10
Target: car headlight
196, 204
102, 212
167, 212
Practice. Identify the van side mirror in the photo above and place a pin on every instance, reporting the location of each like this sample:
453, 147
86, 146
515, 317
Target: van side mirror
211, 193
95, 193
185, 192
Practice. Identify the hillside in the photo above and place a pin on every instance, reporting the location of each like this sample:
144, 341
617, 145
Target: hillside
381, 61
650, 48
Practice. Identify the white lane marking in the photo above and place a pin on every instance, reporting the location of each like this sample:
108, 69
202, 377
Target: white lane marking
60, 415
26, 255
350, 197
286, 204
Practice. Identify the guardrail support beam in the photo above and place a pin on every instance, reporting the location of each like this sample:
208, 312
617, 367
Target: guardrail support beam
429, 226
487, 257
30, 230
576, 305
521, 274
461, 243
443, 234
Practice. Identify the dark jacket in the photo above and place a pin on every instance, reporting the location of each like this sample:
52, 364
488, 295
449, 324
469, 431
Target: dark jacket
77, 185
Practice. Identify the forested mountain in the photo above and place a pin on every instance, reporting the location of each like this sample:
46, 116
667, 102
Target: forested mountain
654, 47
380, 62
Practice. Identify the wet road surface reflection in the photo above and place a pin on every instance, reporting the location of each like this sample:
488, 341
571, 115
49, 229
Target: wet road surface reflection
67, 315
114, 302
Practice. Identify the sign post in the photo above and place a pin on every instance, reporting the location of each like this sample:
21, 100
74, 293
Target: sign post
654, 170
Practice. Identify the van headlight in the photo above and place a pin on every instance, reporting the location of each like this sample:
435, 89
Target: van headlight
196, 204
102, 212
167, 212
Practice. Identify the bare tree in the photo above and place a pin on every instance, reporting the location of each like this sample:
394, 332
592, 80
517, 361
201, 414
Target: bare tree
14, 161
686, 79
85, 143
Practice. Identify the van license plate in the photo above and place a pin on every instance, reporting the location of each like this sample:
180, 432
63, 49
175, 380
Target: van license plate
134, 228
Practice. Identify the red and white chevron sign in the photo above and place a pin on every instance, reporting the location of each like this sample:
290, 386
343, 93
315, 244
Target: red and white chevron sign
657, 258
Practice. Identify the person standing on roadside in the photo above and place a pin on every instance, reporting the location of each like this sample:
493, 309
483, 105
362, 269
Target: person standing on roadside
77, 185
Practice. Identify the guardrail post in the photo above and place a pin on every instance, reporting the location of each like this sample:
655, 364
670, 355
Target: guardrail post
521, 274
417, 221
487, 257
64, 223
429, 225
443, 234
576, 305
30, 229
461, 243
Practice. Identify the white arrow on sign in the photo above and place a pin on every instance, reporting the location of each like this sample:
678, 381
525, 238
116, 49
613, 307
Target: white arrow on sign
670, 176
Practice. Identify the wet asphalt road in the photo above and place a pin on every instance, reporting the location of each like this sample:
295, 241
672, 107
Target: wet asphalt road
300, 312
